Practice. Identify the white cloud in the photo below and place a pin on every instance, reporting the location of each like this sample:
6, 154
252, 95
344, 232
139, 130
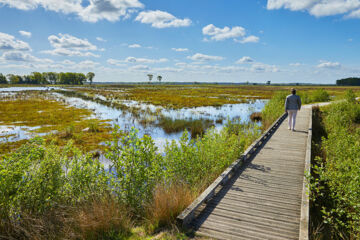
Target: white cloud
67, 41
100, 39
110, 10
161, 19
25, 34
69, 53
180, 49
68, 62
89, 11
237, 33
140, 68
245, 59
249, 39
134, 45
67, 45
219, 34
295, 64
319, 8
203, 57
9, 43
19, 56
136, 60
116, 62
329, 65
87, 64
261, 67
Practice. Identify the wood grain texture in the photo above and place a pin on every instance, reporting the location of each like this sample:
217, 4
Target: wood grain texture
264, 197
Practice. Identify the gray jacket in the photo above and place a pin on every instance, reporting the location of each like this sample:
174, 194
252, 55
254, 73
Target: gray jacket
292, 102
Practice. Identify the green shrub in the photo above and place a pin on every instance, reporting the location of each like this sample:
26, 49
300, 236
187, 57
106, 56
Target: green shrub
336, 189
320, 95
138, 168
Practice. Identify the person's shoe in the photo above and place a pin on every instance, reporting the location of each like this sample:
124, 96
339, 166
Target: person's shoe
293, 130
289, 128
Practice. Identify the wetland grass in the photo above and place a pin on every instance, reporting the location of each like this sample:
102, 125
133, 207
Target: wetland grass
59, 121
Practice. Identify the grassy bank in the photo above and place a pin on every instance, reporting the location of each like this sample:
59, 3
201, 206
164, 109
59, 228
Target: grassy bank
52, 192
335, 182
187, 96
55, 118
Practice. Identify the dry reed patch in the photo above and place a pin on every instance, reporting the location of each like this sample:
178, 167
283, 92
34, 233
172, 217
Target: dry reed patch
168, 202
100, 220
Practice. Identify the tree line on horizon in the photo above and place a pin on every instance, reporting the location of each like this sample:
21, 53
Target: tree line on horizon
352, 81
48, 78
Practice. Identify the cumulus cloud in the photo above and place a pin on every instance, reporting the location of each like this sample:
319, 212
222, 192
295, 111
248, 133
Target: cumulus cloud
161, 19
180, 49
202, 57
67, 45
87, 10
329, 65
237, 33
319, 8
19, 56
69, 53
9, 43
261, 67
134, 45
219, 34
110, 10
67, 41
140, 68
100, 39
249, 39
245, 59
136, 60
25, 34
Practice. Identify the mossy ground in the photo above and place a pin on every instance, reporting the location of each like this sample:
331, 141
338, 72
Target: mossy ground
33, 109
188, 96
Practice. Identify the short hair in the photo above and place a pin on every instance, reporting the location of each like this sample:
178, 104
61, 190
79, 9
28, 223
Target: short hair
293, 91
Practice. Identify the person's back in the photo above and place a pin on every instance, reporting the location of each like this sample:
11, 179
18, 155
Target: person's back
292, 105
293, 102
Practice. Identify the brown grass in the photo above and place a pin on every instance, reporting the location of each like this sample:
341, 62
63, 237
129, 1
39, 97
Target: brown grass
105, 219
99, 219
168, 203
256, 116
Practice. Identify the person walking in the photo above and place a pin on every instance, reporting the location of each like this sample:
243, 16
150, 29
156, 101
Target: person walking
292, 105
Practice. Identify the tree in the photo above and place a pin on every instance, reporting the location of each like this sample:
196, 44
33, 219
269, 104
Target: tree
90, 76
150, 76
3, 79
159, 78
15, 79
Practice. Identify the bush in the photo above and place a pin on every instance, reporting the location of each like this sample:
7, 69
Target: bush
336, 188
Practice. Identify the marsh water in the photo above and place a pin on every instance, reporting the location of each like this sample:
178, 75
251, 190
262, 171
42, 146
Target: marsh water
218, 116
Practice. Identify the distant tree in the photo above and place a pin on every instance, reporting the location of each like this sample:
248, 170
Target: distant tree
353, 81
90, 76
14, 79
3, 79
159, 78
37, 78
268, 83
150, 76
52, 77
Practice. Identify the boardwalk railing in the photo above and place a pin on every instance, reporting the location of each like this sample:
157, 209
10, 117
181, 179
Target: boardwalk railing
189, 213
305, 208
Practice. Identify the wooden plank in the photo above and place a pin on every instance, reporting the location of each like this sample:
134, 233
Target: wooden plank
305, 208
188, 214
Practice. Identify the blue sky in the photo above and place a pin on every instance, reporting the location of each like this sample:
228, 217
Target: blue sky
284, 41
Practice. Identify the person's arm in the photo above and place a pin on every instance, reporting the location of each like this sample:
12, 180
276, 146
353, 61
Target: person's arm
286, 104
299, 102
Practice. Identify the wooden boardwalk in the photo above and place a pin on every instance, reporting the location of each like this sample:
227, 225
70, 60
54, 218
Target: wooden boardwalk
264, 197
